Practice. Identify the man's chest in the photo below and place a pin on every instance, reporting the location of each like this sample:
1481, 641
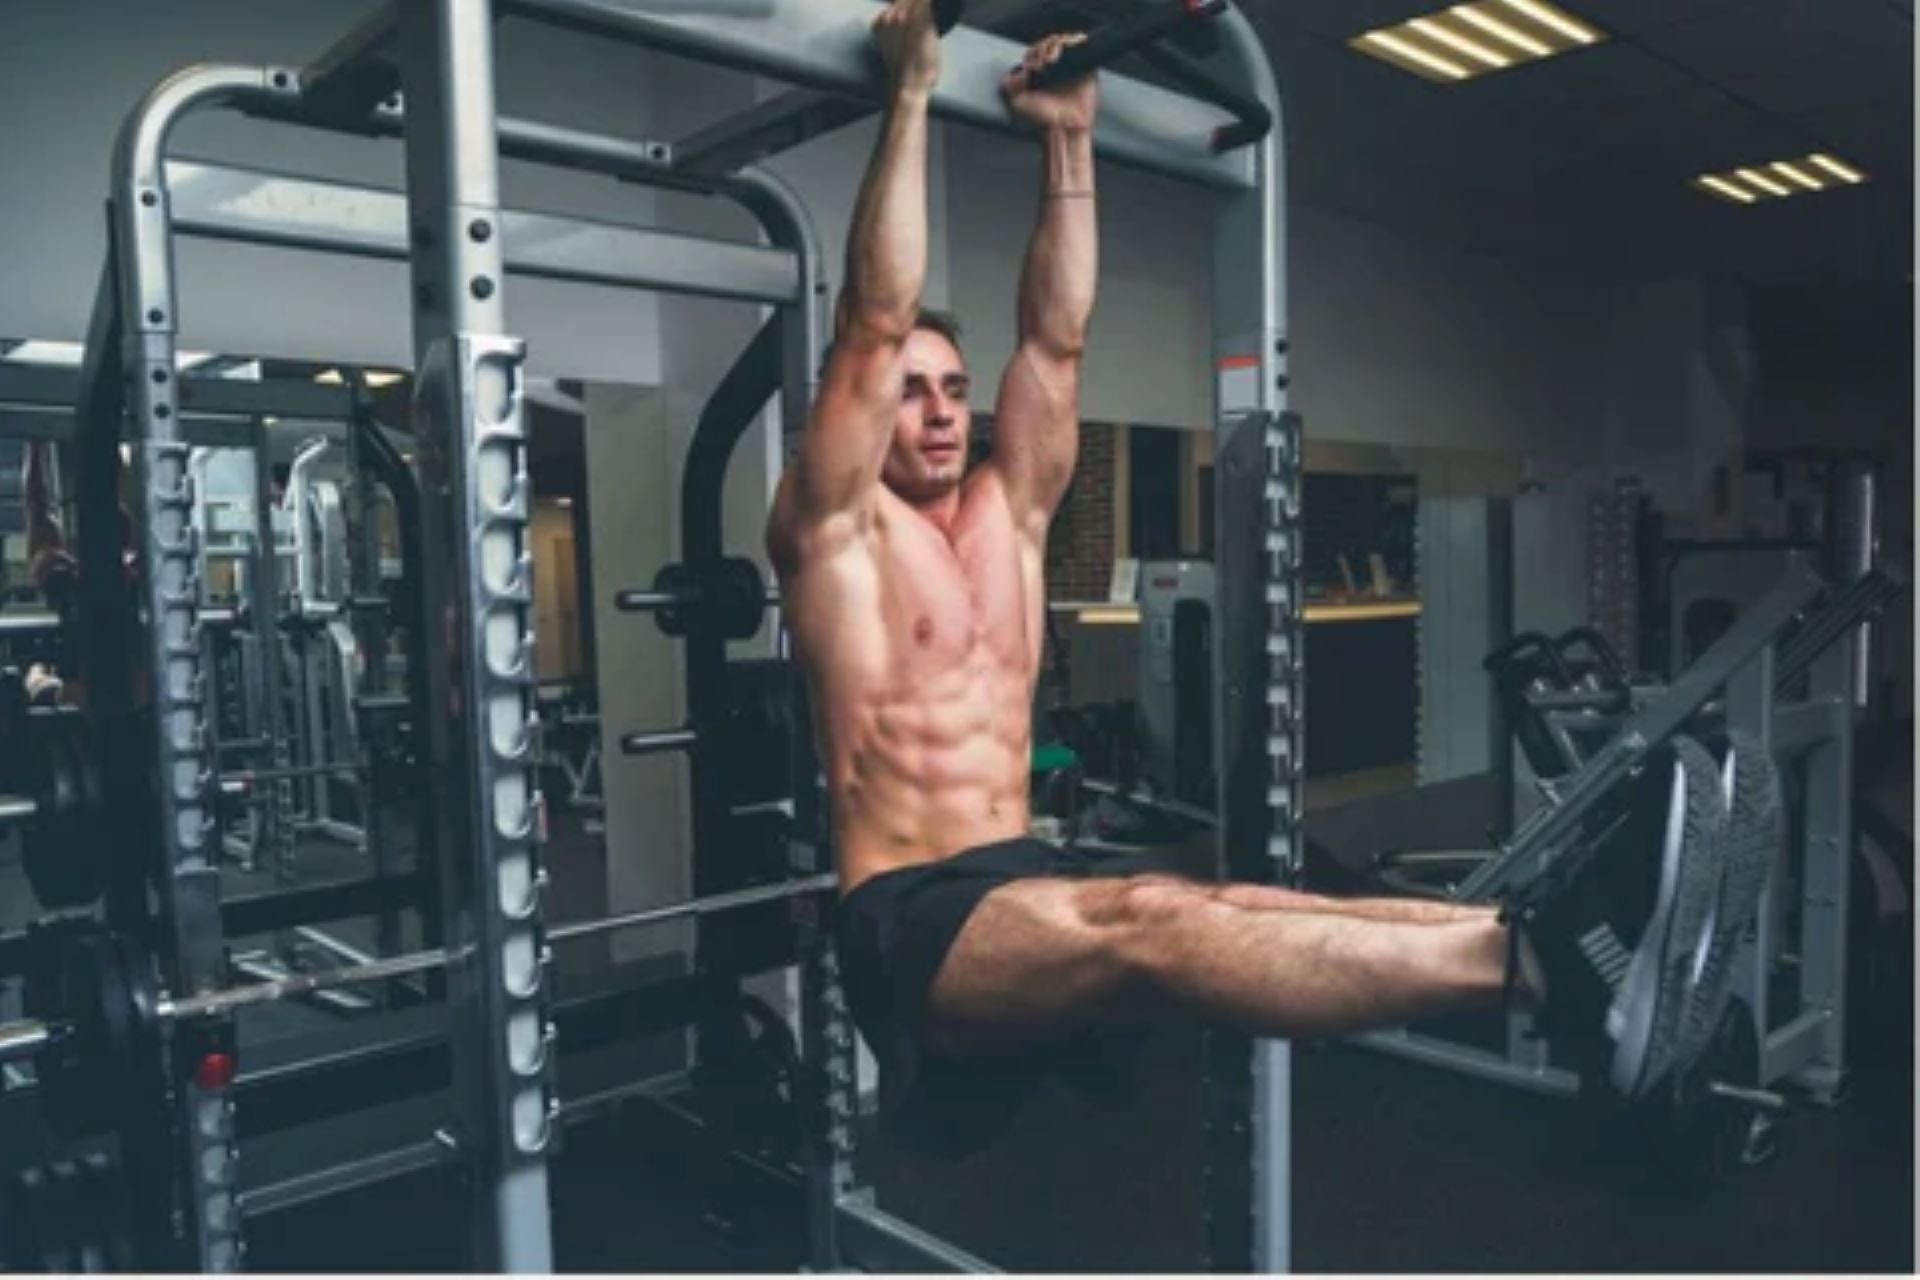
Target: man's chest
956, 596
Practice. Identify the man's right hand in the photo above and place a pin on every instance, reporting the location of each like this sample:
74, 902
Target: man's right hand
909, 45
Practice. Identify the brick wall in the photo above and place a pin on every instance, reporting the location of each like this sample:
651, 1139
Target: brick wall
1080, 543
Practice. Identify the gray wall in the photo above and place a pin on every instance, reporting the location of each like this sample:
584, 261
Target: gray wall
69, 74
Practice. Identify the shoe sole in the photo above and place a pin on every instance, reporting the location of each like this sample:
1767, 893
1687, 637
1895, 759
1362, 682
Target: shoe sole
1756, 830
1649, 1009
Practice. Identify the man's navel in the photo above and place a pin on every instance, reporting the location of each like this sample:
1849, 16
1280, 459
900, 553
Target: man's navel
923, 630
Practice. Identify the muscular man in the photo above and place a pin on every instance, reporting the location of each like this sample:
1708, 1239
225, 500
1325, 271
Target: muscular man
914, 593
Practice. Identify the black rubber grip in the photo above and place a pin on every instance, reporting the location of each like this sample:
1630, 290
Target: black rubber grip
1108, 44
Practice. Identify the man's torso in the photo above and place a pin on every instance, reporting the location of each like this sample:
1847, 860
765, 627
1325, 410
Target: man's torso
922, 647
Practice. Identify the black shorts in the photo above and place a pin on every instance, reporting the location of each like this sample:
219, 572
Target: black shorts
893, 932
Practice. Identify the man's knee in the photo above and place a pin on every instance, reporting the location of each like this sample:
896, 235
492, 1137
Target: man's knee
1138, 923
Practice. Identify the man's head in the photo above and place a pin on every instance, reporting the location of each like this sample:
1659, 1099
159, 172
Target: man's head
928, 457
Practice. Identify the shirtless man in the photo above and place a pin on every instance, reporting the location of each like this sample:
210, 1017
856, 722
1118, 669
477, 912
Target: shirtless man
914, 594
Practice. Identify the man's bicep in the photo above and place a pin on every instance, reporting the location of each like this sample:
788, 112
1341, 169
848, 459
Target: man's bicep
1036, 430
848, 433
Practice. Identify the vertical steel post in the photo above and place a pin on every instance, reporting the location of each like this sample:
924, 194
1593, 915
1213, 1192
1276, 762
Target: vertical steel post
170, 712
829, 1097
1257, 678
479, 603
370, 629
1749, 702
1826, 868
277, 827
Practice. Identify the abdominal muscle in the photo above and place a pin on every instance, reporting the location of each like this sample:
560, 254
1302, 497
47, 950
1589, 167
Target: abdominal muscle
918, 647
917, 775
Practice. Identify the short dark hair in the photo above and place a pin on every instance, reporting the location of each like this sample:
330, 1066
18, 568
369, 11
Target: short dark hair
944, 323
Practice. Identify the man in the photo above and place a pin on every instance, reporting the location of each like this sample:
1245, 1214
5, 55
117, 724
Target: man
914, 594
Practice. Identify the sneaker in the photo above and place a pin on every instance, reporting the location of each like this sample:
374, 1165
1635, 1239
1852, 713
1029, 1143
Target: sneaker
1648, 1016
1621, 942
1756, 832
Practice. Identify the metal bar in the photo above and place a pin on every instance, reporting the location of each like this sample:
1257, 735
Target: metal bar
391, 466
1862, 598
49, 387
697, 907
1826, 869
29, 622
249, 777
17, 809
22, 1040
257, 207
765, 129
342, 900
360, 72
1551, 831
1258, 679
1793, 1051
201, 1229
648, 601
646, 744
369, 619
824, 44
318, 1183
875, 1240
19, 423
1433, 1051
477, 574
210, 1003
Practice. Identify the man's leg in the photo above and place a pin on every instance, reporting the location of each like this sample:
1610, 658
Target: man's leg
1043, 957
1267, 897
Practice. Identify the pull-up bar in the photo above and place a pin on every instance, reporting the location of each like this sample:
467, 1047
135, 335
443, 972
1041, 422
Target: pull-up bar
825, 44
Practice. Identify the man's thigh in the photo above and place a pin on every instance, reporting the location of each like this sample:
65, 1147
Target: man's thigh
1039, 959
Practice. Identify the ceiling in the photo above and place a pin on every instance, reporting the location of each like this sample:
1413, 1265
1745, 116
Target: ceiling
1586, 158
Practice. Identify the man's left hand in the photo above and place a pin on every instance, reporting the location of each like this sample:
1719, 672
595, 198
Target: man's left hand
1070, 106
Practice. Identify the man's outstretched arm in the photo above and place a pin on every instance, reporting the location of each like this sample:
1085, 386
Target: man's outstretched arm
848, 435
1036, 429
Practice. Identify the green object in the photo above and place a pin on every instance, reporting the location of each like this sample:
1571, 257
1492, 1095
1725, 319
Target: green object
1050, 757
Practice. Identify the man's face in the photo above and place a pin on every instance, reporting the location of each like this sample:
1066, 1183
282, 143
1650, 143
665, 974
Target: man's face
929, 453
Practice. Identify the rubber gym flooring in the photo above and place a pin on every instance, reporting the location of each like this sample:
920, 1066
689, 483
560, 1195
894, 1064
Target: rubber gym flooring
1397, 1167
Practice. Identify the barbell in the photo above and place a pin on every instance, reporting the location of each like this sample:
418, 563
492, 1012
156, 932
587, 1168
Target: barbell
93, 1004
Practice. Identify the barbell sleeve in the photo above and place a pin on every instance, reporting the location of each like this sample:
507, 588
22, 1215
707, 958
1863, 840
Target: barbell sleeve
646, 744
642, 600
17, 809
24, 1039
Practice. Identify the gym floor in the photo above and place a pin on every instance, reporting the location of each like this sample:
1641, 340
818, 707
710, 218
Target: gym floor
1396, 1167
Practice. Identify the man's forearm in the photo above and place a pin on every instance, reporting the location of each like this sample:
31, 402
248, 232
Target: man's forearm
1062, 266
887, 244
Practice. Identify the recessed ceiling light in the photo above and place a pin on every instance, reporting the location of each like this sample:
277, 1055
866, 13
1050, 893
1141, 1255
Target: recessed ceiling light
1739, 195
1471, 40
1846, 173
1780, 179
1754, 178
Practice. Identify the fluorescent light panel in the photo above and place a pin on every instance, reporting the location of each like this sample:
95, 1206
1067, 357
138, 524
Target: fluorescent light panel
1472, 40
1780, 179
